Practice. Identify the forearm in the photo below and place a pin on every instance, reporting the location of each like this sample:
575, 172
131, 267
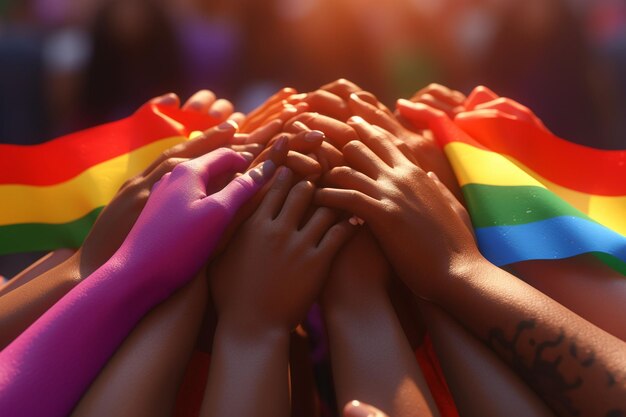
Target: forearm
22, 306
568, 361
42, 265
584, 285
372, 360
496, 390
59, 355
249, 373
143, 376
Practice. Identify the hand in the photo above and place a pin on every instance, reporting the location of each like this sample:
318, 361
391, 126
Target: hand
117, 218
182, 223
413, 222
275, 266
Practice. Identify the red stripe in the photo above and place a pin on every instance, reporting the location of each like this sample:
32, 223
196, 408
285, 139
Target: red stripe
63, 158
578, 167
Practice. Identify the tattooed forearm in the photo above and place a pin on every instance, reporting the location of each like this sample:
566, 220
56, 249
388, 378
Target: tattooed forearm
556, 366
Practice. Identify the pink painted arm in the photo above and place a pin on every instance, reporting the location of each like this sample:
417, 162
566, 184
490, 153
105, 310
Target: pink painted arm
49, 366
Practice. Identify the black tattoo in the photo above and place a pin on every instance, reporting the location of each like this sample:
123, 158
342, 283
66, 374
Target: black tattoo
541, 374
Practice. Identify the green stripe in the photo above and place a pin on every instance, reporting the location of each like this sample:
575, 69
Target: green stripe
494, 205
28, 237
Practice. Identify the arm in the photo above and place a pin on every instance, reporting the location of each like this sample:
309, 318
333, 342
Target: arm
143, 376
371, 357
21, 307
263, 285
496, 390
568, 361
61, 353
42, 265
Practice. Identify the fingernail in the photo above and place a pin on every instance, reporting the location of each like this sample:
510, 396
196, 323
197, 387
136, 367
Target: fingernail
283, 173
314, 136
432, 175
281, 142
356, 409
353, 221
300, 96
262, 171
404, 102
248, 155
215, 114
299, 125
228, 125
268, 167
356, 119
169, 99
356, 98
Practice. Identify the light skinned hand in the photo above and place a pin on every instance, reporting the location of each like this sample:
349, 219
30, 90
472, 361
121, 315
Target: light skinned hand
287, 257
415, 225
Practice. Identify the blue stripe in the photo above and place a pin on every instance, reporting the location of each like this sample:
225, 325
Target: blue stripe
555, 238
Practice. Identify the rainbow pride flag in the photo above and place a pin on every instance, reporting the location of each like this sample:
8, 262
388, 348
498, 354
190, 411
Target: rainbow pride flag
52, 193
532, 195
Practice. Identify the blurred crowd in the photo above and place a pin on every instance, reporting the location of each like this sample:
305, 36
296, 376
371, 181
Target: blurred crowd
70, 64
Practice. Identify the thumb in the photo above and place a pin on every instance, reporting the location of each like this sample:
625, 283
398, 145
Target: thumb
242, 188
358, 409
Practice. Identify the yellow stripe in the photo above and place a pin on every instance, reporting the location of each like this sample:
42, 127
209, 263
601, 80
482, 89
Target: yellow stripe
479, 166
72, 199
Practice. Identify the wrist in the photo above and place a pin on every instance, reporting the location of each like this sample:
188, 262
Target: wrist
357, 308
463, 270
233, 329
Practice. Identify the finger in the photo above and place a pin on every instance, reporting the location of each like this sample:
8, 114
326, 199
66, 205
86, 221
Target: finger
441, 93
337, 133
511, 107
296, 204
378, 140
221, 109
418, 114
351, 179
479, 95
263, 134
449, 109
342, 88
276, 194
336, 237
305, 140
350, 201
164, 167
360, 157
238, 118
200, 102
452, 201
256, 115
372, 113
329, 104
331, 155
204, 169
169, 99
319, 223
210, 140
304, 166
241, 189
253, 148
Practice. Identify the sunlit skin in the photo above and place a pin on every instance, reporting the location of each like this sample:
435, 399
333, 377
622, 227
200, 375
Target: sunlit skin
359, 158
